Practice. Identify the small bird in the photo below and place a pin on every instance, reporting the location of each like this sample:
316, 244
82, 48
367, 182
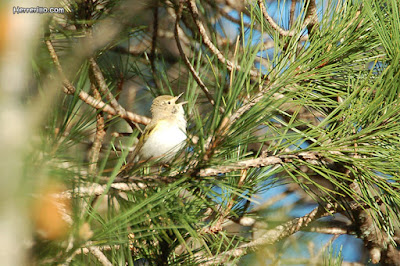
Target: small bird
165, 135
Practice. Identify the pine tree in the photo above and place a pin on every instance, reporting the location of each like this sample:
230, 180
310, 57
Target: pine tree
293, 133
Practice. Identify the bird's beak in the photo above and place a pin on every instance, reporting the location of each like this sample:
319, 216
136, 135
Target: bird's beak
177, 97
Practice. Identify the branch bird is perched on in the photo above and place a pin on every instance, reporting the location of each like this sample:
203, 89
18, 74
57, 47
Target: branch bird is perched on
165, 135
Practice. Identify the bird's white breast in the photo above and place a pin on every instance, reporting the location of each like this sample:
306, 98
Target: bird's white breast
164, 142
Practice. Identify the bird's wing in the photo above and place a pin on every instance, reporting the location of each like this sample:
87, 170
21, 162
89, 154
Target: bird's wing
131, 158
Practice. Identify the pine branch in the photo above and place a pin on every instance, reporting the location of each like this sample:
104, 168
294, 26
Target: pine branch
109, 96
99, 136
311, 157
346, 81
88, 248
97, 190
273, 235
85, 97
100, 256
281, 31
206, 40
186, 60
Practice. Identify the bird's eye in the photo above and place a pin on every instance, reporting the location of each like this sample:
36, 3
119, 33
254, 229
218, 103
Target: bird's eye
169, 102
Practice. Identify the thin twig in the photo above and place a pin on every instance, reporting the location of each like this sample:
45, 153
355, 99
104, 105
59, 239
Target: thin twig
134, 50
103, 87
291, 14
97, 190
245, 164
206, 40
85, 250
226, 123
227, 15
330, 229
311, 19
88, 248
85, 97
137, 183
272, 23
274, 235
246, 106
100, 256
68, 87
99, 136
154, 45
183, 38
108, 109
311, 157
218, 224
186, 60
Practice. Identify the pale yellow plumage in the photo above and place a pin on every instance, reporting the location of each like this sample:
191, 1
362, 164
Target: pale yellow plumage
165, 135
